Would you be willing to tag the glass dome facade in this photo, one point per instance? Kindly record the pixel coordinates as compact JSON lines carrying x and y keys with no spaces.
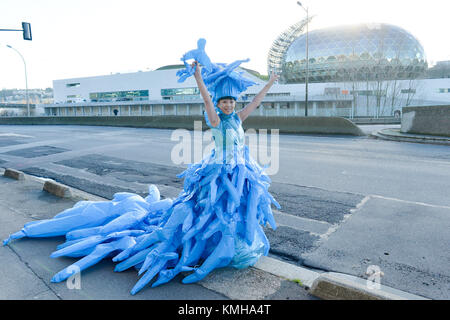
{"x":353,"y":53}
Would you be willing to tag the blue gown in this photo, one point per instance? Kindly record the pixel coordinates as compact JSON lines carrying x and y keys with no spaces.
{"x":216,"y":221}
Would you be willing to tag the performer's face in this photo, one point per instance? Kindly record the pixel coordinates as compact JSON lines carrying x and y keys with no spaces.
{"x":227,"y":105}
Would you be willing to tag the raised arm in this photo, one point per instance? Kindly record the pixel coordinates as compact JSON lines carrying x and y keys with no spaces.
{"x":244,"y":113}
{"x":210,"y":110}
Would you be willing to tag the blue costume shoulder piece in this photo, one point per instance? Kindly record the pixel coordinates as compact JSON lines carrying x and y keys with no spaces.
{"x":216,"y":221}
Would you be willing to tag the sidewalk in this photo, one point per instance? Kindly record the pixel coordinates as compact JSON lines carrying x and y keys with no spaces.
{"x":27,"y":268}
{"x":394,"y":134}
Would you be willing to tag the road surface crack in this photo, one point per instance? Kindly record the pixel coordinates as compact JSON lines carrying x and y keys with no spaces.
{"x":37,"y":275}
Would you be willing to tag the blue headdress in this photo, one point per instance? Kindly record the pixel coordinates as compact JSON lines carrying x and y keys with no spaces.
{"x":220,"y":79}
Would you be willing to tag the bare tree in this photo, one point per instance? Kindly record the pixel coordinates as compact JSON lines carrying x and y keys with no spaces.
{"x":7,"y":113}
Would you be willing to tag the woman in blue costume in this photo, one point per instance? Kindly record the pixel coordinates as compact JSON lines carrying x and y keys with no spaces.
{"x":216,"y":221}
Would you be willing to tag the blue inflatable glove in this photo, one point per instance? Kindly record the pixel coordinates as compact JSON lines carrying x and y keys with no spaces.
{"x":83,"y":233}
{"x":125,"y":221}
{"x":91,"y":215}
{"x":100,"y":252}
{"x":169,"y":274}
{"x":200,"y":223}
{"x":149,"y":276}
{"x":159,"y":205}
{"x":153,"y":194}
{"x":188,"y":222}
{"x":80,"y":246}
{"x":199,"y":55}
{"x":76,"y":209}
{"x":267,"y":210}
{"x":154,"y":254}
{"x":231,"y":189}
{"x":68,"y":243}
{"x":132,"y":261}
{"x":196,"y":252}
{"x":220,"y":257}
{"x":125,"y":254}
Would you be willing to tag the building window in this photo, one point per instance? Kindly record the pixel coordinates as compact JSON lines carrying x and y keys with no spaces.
{"x":179,"y":91}
{"x":133,"y":95}
{"x":71,"y":85}
{"x":332,"y":91}
{"x":279,"y":94}
{"x":444,"y":90}
{"x":368,"y":93}
{"x":74,"y":98}
{"x":408,"y":91}
{"x":180,"y":94}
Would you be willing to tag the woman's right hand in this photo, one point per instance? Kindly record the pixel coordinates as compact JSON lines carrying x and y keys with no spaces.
{"x":197,"y":69}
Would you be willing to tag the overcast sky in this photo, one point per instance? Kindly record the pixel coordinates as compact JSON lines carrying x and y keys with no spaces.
{"x":78,"y":38}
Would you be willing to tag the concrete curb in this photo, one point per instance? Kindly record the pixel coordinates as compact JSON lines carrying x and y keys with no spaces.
{"x":51,"y":186}
{"x":324,"y":285}
{"x":57,"y":189}
{"x":333,"y":285}
{"x":364,"y":121}
{"x":68,"y":192}
{"x":14,"y":174}
{"x":286,"y":270}
{"x":386,"y":134}
{"x":339,"y":286}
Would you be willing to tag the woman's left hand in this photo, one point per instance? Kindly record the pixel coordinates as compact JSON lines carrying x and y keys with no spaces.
{"x":273,"y":77}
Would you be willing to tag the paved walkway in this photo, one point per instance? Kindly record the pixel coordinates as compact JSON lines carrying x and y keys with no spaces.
{"x":26,"y":267}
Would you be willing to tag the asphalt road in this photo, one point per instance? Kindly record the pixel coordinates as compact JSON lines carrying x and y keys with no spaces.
{"x":323,"y":183}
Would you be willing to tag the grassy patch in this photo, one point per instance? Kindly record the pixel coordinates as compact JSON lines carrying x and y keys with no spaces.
{"x":298,"y":281}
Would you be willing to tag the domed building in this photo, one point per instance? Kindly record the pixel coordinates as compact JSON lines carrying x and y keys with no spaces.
{"x":364,"y":52}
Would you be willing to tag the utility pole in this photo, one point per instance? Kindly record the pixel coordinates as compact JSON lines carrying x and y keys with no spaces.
{"x":307,"y":58}
{"x":26,"y":79}
{"x":26,"y":30}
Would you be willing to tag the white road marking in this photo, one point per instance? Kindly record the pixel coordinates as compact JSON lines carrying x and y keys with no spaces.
{"x":412,"y":202}
{"x":14,"y":135}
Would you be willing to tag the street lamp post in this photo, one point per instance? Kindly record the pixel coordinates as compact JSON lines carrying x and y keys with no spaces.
{"x":307,"y":58}
{"x":26,"y":78}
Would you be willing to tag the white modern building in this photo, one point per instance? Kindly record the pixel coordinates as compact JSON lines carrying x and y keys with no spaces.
{"x":159,"y":93}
